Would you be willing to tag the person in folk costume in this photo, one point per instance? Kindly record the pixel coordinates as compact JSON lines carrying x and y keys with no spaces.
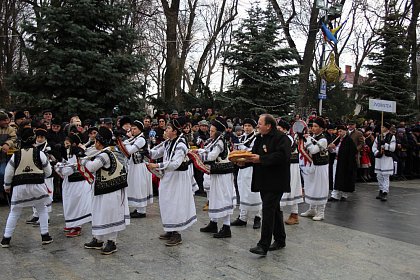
{"x":383,"y":149}
{"x":249,"y":201}
{"x":345,"y":165}
{"x":77,"y":192}
{"x":42,"y":145}
{"x":123,"y":130}
{"x":139,"y":179}
{"x":294,"y":197}
{"x":90,"y":145}
{"x":110,"y":212}
{"x":26,"y":172}
{"x":316,"y":185}
{"x":176,"y":200}
{"x":222,"y":195}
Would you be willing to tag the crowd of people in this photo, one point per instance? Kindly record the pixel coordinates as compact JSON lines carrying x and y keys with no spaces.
{"x":101,"y":168}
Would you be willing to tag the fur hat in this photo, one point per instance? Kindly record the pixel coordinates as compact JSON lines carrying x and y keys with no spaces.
{"x":138,"y":124}
{"x":178,"y":124}
{"x":250,"y":121}
{"x":27,"y":137}
{"x":41,"y":131}
{"x":20,"y":115}
{"x":104,"y":136}
{"x":125,"y":120}
{"x":282,"y":123}
{"x":220,"y":124}
{"x":320,"y":122}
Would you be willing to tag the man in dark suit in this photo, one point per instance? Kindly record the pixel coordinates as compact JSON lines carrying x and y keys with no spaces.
{"x":357,"y":138}
{"x":270,"y":177}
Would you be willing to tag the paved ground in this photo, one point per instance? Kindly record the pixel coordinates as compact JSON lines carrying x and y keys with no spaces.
{"x":362,"y":238}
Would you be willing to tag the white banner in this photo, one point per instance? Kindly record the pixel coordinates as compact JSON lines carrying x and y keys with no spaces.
{"x":383,"y":105}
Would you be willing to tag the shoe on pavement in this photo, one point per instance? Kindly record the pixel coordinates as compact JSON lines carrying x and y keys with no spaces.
{"x":258,"y":250}
{"x":257,"y":223}
{"x":137,"y":215}
{"x":5,"y":242}
{"x":74,"y":232}
{"x":238,"y":223}
{"x":109,"y":248}
{"x":311,"y":212}
{"x":94,"y":244}
{"x":223,"y":233}
{"x":174,"y":240}
{"x":384,"y":196}
{"x":211,"y":227}
{"x":276,"y":246}
{"x":32,"y":221}
{"x":166,"y":236}
{"x":46,"y":239}
{"x":293,"y":219}
{"x":379,"y":196}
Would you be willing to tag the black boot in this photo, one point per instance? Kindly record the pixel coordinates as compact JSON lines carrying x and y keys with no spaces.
{"x":211,"y":227}
{"x":384,"y":196}
{"x":379,"y":196}
{"x":238,"y":223}
{"x":223,"y":233}
{"x":257,"y":223}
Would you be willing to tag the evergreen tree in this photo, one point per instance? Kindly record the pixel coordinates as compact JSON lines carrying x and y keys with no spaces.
{"x":80,"y":59}
{"x":264,"y":75}
{"x":391,"y":68}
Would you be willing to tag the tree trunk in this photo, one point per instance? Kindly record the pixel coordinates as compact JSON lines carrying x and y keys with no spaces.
{"x":412,"y":41}
{"x":308,"y":57}
{"x":171,"y":73}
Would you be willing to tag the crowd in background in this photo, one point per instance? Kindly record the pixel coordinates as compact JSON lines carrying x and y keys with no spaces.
{"x":406,"y":156}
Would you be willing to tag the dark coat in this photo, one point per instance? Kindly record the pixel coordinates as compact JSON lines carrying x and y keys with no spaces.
{"x":345,"y":175}
{"x":272,"y":174}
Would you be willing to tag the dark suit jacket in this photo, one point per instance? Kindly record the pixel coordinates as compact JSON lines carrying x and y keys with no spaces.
{"x":272,"y":174}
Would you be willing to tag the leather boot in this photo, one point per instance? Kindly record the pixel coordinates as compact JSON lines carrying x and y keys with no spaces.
{"x":293,"y":219}
{"x":257,"y":223}
{"x":223,"y":233}
{"x":211,"y":227}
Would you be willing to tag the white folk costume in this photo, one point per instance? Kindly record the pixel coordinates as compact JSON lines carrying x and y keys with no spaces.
{"x":110,"y":212}
{"x":77,"y":197}
{"x":316,"y":183}
{"x":382,"y":148}
{"x":176,"y":200}
{"x":222,"y":195}
{"x":139,"y":179}
{"x":294,"y":197}
{"x":26,"y":172}
{"x":49,"y":181}
{"x":249,"y":201}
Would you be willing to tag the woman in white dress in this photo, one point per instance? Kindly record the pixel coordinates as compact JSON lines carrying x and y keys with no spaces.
{"x":222,"y":195}
{"x":176,"y":200}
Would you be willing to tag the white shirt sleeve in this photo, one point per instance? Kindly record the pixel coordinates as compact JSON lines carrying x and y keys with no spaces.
{"x":316,"y":148}
{"x":157,"y":152}
{"x":46,"y":166}
{"x":9,"y":173}
{"x":176,"y":160}
{"x":102,"y":160}
{"x":136,"y":146}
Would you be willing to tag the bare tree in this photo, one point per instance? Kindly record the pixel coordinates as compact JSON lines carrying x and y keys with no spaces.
{"x":219,"y":17}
